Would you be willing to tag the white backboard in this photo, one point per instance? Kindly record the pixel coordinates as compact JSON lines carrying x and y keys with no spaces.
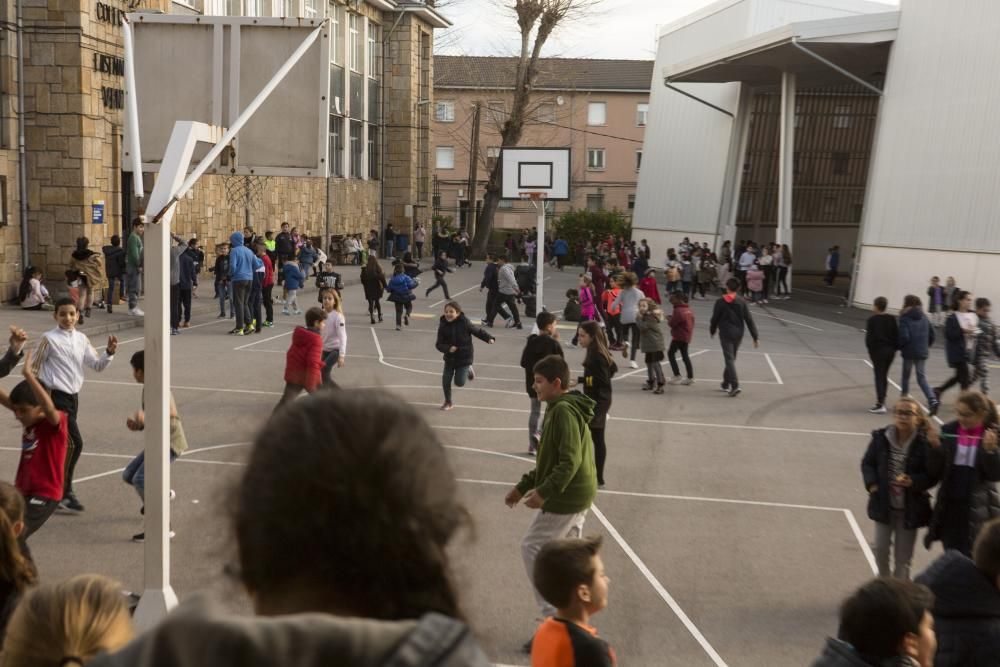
{"x":544,"y":170}
{"x":208,"y":69}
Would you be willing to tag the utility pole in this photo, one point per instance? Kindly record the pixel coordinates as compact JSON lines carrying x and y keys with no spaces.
{"x":473,"y":170}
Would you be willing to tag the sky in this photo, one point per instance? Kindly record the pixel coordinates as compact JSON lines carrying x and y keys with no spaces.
{"x":624,"y":29}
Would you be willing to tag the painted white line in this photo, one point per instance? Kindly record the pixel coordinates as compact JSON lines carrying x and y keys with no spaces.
{"x":865,"y":547}
{"x":97,"y":476}
{"x":381,"y":360}
{"x":729,"y":501}
{"x":491,"y":453}
{"x":807,"y":326}
{"x":658,"y":587}
{"x":263,"y":340}
{"x":662,"y":363}
{"x":737,"y":426}
{"x":900,"y":390}
{"x":213,"y":447}
{"x":187,"y":388}
{"x":773,"y":369}
{"x":107,"y":456}
{"x":473,"y":428}
{"x":216,"y":463}
{"x":452,"y":297}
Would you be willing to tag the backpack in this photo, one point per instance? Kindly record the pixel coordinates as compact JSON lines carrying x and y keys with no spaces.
{"x":673,"y":274}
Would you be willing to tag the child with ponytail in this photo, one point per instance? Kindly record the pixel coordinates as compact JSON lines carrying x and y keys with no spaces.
{"x":17,"y":572}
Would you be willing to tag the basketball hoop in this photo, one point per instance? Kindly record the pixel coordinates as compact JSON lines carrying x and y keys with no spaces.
{"x":533,"y":195}
{"x":245,"y":192}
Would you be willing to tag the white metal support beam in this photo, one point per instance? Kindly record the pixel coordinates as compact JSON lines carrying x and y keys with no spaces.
{"x":786,"y":162}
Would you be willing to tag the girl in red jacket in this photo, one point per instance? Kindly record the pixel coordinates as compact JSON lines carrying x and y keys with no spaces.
{"x":304,"y":359}
{"x":681,"y":330}
{"x":648,"y":286}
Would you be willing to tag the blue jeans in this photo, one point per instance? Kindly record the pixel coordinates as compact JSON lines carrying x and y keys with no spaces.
{"x":329,"y":361}
{"x":904,"y":382}
{"x":458,"y":374}
{"x":222,"y":292}
{"x":135,"y":473}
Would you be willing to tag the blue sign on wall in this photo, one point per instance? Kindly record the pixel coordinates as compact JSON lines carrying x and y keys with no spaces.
{"x":97,"y":212}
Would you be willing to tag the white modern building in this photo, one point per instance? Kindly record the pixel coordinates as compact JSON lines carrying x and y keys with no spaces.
{"x":926,"y":171}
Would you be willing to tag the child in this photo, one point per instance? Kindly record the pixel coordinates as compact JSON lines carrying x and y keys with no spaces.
{"x":936,"y":303}
{"x":598,"y":369}
{"x":755,"y":283}
{"x":588,"y":303}
{"x":221,"y":271}
{"x":454,"y":340}
{"x":69,"y":623}
{"x":986,"y":344}
{"x":266,"y":285}
{"x":328,"y":278}
{"x":628,"y":302}
{"x":648,"y":286}
{"x":17,"y":572}
{"x":569,"y":574}
{"x":614,"y":311}
{"x":572,"y":309}
{"x":304,"y":359}
{"x":400,"y":289}
{"x":135,"y":472}
{"x":334,"y":334}
{"x":562,"y":485}
{"x":44,"y":441}
{"x":59,"y":362}
{"x":882,"y":341}
{"x":271,"y":247}
{"x":651,"y":344}
{"x":294,"y":279}
{"x":538,"y":346}
{"x":32,"y":294}
{"x":90,"y":270}
{"x":440,"y":269}
{"x":681,"y":331}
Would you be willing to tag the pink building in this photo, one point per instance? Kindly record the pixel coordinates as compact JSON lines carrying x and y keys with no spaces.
{"x":597,"y":108}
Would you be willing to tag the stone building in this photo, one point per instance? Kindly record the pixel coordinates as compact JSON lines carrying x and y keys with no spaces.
{"x":597,"y":108}
{"x":73,"y":92}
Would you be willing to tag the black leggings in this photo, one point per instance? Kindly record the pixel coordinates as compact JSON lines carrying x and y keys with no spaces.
{"x":375,"y":305}
{"x":682,"y":347}
{"x":782,"y":286}
{"x":600,"y":451}
{"x":70,"y":404}
{"x":400,"y":307}
{"x":961,"y":378}
{"x":634,"y":330}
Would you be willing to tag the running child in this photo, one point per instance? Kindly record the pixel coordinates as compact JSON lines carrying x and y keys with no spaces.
{"x":651,"y":344}
{"x":294,"y":280}
{"x":334,"y":334}
{"x":400,"y":289}
{"x":44,"y":441}
{"x":681,"y":324}
{"x":598,"y":369}
{"x":440,"y":269}
{"x":454,"y":339}
{"x":986,"y":345}
{"x":628,"y":300}
{"x":538,"y":346}
{"x":59,"y":361}
{"x":569,"y":574}
{"x":135,"y":472}
{"x":614,"y":312}
{"x":304,"y":359}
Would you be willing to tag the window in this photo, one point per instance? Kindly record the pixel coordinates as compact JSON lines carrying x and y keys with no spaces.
{"x":638,"y":160}
{"x":631,"y":202}
{"x":356,"y":149}
{"x":595,"y":158}
{"x":546,"y":113}
{"x":355,"y":42}
{"x":444,"y":111}
{"x":842,"y":117}
{"x":357,"y":96}
{"x":641,"y":114}
{"x":374,"y":52}
{"x":436,"y":202}
{"x":337,"y":105}
{"x":310,"y":8}
{"x":497,"y":110}
{"x":336,"y":36}
{"x":373,"y":101}
{"x":336,"y":146}
{"x":595,"y":203}
{"x":373,"y":153}
{"x":253,"y":7}
{"x":445,"y":157}
{"x":492,"y":155}
{"x":597,"y":113}
{"x":841,"y":163}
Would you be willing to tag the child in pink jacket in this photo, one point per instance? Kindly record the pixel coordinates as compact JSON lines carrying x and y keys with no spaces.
{"x":755,"y":283}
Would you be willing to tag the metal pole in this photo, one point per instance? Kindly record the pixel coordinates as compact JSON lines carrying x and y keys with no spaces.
{"x":540,"y":261}
{"x":22,"y":165}
{"x":132,"y":109}
{"x":158,"y":596}
{"x":786,"y":162}
{"x":856,"y":79}
{"x":696,"y":98}
{"x":470,"y":225}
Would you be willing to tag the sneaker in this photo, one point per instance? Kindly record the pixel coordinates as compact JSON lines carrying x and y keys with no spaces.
{"x":508,"y":323}
{"x":141,"y":537}
{"x":235,"y":331}
{"x":935,"y":406}
{"x":532,"y":449}
{"x":735,"y":391}
{"x":222,"y":315}
{"x":175,"y":332}
{"x":472,"y":374}
{"x":632,"y":364}
{"x":284,"y":311}
{"x":518,"y":326}
{"x":399,"y":328}
{"x":447,"y":405}
{"x":659,"y":389}
{"x":675,"y":380}
{"x":406,"y":320}
{"x":137,"y":312}
{"x":724,"y":387}
{"x":526,"y":647}
{"x":625,"y":351}
{"x":380,"y":317}
{"x":877,"y":409}
{"x":937,"y":395}
{"x":298,"y":312}
{"x":247,"y":331}
{"x":70,"y":502}
{"x":268,"y":323}
{"x":687,"y":382}
{"x":239,"y":332}
{"x":647,"y":386}
{"x":185,"y":325}
{"x":253,"y":324}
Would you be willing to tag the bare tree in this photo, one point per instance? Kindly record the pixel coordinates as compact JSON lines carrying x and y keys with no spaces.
{"x":536,"y":21}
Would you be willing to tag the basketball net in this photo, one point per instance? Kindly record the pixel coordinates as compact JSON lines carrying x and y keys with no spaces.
{"x":245,"y":192}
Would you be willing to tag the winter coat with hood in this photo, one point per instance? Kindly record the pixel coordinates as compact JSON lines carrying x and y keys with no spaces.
{"x":458,"y":333}
{"x":650,"y":289}
{"x":651,"y":333}
{"x":954,"y":346}
{"x":728,"y":318}
{"x":90,"y":264}
{"x":875,"y":470}
{"x":114,"y":261}
{"x":304,"y":359}
{"x":916,"y":335}
{"x":588,"y":304}
{"x":681,"y":323}
{"x":596,"y":383}
{"x":838,"y":653}
{"x":242,"y":261}
{"x":373,"y":283}
{"x":966,"y":612}
{"x":296,"y":640}
{"x":400,"y":288}
{"x":565,"y":473}
{"x":984,"y":500}
{"x":537,"y":348}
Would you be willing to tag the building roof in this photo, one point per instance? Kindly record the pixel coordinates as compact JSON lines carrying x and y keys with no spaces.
{"x":496,"y":73}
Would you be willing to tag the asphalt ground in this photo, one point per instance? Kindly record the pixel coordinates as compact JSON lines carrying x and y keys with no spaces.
{"x":733,"y":526}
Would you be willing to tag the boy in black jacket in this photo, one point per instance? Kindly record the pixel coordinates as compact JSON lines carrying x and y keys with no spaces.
{"x":728,"y":318}
{"x":539,"y":346}
{"x":882,"y":341}
{"x":328,"y":279}
{"x":114,"y":269}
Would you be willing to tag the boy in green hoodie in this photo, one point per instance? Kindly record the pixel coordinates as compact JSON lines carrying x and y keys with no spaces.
{"x":564,"y":481}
